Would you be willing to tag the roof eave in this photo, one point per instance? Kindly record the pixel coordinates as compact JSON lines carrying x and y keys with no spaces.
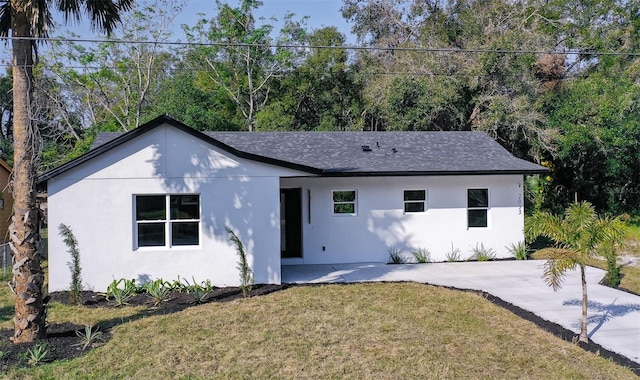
{"x":167,"y":120}
{"x":329,"y":173}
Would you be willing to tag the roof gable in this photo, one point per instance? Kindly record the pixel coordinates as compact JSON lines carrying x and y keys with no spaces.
{"x":344,"y":153}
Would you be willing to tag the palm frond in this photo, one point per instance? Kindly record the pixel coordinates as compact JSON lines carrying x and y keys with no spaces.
{"x":105,"y":14}
{"x":555,"y":268}
{"x":5,"y":19}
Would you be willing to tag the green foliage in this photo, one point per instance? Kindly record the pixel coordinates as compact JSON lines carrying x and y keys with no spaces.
{"x":38,"y":354}
{"x":69,"y":239}
{"x":246,"y":274}
{"x":519,"y":250}
{"x":455,"y":254}
{"x":122,"y":294}
{"x":421,"y":255}
{"x":157,"y":290}
{"x":396,"y":256}
{"x":608,"y":251}
{"x":480,"y":253}
{"x":580,"y":234}
{"x":90,"y":336}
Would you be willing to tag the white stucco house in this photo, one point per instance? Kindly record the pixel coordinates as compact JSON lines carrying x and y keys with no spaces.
{"x":154,"y":202}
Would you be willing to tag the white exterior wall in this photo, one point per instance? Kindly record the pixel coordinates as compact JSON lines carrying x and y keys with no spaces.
{"x":381,"y":223}
{"x":96,"y":198}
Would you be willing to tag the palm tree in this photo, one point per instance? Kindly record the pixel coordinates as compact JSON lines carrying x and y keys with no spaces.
{"x":578,"y":236}
{"x":28,"y":20}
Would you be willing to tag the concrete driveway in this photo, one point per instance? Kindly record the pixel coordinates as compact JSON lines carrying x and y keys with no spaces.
{"x":614,"y":315}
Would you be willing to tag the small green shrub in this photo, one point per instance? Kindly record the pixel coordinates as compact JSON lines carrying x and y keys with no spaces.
{"x":38,"y":354}
{"x":90,"y":336}
{"x":482,"y":254}
{"x":612,"y":277}
{"x":421,"y":255}
{"x":519,"y":250}
{"x":246,"y":275}
{"x":121,"y":294}
{"x":158,"y":291}
{"x":455,"y":254}
{"x":396,"y":255}
{"x":199,"y":294}
{"x":75,"y":290}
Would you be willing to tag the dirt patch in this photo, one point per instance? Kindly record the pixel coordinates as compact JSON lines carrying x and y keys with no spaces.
{"x":63,"y":341}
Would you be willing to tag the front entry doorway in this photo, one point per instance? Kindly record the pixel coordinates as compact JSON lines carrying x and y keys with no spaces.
{"x":291,"y":223}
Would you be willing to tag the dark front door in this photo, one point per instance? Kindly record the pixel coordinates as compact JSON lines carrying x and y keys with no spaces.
{"x":291,"y":222}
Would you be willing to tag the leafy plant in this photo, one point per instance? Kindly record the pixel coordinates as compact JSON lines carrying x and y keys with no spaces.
{"x":612,"y":277}
{"x":396,"y":255}
{"x":90,"y":336}
{"x":519,"y":250}
{"x":246,"y":275}
{"x":177,"y":285}
{"x":75,"y":291}
{"x":199,"y":294}
{"x":580,"y":235}
{"x":482,"y":254}
{"x":158,"y":291}
{"x":455,"y":254}
{"x":121,"y":295}
{"x":39,"y":353}
{"x":422,"y":255}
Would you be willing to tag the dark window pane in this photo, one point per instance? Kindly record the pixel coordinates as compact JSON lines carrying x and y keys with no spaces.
{"x":414,"y":207}
{"x":344,"y":196}
{"x":344,"y":208}
{"x":478,"y":197}
{"x":185,"y":207}
{"x":477,"y":218}
{"x":150,"y":234}
{"x":414,"y":195}
{"x":185,"y":233}
{"x":150,"y":207}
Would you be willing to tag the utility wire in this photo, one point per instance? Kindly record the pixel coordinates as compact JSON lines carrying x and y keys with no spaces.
{"x":341,"y":47}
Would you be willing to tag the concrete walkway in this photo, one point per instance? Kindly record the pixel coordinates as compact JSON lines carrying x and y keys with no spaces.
{"x":614,"y":315}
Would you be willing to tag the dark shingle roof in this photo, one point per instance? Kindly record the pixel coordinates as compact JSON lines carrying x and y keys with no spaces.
{"x":342,"y":153}
{"x":391,"y":152}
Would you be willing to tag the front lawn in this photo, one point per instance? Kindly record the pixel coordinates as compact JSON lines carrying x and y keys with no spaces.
{"x":376,"y":330}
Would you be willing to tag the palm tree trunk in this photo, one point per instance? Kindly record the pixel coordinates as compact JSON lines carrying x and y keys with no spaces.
{"x":28,"y":277}
{"x":583,"y":325}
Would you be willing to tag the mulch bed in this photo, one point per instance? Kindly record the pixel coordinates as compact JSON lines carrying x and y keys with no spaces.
{"x":63,"y":342}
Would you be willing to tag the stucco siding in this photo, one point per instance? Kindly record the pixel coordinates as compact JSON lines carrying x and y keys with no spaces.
{"x":96,"y":200}
{"x":380,"y":222}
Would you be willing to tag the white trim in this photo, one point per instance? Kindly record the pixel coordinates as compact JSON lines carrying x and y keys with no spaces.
{"x":168,"y":222}
{"x":479,"y":208}
{"x":355,"y":203}
{"x":425,"y":207}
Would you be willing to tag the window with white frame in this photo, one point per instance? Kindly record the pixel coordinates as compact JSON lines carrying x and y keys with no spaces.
{"x":167,"y":220}
{"x":415,"y":200}
{"x":477,"y":207}
{"x":344,"y":202}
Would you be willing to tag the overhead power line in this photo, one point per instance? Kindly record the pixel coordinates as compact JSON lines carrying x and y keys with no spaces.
{"x":341,"y":47}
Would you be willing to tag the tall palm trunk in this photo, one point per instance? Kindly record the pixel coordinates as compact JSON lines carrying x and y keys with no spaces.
{"x":28,"y":277}
{"x":583,"y":325}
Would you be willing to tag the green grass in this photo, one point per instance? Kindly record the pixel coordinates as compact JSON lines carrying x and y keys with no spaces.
{"x":360,"y":331}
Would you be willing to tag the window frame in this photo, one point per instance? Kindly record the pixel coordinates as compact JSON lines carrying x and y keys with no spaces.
{"x":334,"y":203}
{"x":414,"y":201}
{"x":168,"y":222}
{"x":475,"y":208}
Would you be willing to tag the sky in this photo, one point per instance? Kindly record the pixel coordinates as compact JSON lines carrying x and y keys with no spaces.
{"x":320,"y":12}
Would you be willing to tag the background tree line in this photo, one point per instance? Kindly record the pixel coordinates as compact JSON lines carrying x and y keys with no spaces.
{"x":427,"y":65}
